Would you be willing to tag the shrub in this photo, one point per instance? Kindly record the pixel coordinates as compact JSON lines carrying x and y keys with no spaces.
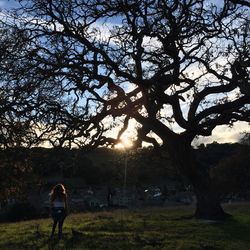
{"x":21,"y":211}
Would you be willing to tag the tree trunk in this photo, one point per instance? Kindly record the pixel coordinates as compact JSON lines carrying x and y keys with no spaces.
{"x":208,"y":203}
{"x":208,"y":206}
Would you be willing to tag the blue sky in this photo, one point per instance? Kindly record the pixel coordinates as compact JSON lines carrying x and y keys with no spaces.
{"x":7,"y":4}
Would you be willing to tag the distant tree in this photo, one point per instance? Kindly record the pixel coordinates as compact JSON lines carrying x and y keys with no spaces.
{"x":177,"y":68}
{"x":213,"y":153}
{"x":232,"y":174}
{"x":16,"y":175}
{"x":245,"y":138}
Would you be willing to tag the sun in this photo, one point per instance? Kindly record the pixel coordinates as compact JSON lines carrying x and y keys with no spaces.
{"x":125,"y":143}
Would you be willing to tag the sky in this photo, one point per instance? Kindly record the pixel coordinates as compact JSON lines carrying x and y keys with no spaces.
{"x":6,"y":4}
{"x":222,"y":134}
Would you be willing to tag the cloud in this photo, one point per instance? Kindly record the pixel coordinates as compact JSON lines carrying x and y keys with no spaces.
{"x":225,"y":134}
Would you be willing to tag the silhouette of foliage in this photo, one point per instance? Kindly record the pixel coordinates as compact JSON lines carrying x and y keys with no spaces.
{"x":16,"y":175}
{"x":73,"y":70}
{"x":232,"y":174}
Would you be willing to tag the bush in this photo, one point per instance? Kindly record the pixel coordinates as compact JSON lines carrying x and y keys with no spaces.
{"x":232,"y":174}
{"x":21,"y":211}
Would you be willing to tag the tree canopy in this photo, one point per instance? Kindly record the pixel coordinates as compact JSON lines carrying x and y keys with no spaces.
{"x":75,"y":69}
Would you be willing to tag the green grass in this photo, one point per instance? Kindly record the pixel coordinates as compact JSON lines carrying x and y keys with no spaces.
{"x":156,"y":228}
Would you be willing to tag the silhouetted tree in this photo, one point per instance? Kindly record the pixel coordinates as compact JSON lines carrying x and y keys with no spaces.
{"x":177,"y":68}
{"x":14,"y":130}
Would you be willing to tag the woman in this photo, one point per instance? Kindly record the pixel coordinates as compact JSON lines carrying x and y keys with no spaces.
{"x":59,"y":208}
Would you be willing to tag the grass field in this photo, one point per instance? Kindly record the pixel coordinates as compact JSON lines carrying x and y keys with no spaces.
{"x":151,"y":228}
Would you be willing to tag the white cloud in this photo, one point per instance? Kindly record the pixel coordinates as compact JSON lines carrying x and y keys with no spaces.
{"x":225,"y":134}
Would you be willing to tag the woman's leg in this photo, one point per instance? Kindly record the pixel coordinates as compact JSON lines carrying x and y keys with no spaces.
{"x":53,"y":228}
{"x":60,"y":226}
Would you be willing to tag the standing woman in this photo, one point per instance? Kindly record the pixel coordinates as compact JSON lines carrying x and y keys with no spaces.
{"x":59,"y":208}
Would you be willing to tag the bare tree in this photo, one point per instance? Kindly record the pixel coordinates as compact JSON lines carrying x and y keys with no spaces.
{"x":177,"y":68}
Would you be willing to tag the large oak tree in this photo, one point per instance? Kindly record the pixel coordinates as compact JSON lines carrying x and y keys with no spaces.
{"x":76,"y":69}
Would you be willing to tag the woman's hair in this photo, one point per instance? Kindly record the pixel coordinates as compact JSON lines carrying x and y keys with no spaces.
{"x":58,"y":191}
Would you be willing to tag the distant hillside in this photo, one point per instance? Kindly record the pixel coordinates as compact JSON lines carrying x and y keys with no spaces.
{"x":24,"y":168}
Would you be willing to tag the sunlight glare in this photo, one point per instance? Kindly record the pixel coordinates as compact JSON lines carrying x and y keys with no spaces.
{"x":124,"y":144}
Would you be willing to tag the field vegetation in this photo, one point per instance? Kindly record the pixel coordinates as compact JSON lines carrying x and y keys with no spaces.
{"x":148,"y":228}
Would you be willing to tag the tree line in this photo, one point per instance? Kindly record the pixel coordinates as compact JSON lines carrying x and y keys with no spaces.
{"x":23,"y":169}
